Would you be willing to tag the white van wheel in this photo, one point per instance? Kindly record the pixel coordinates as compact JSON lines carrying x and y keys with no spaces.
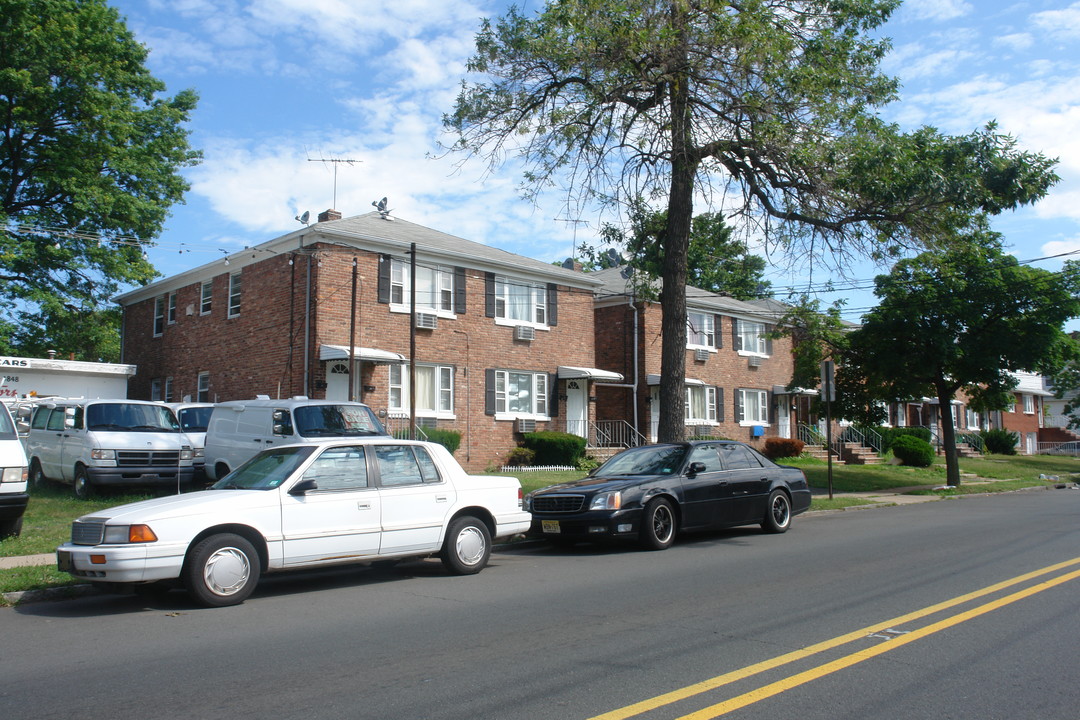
{"x":82,"y":487}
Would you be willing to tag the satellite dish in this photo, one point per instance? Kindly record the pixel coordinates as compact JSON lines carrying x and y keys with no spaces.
{"x":304,"y":218}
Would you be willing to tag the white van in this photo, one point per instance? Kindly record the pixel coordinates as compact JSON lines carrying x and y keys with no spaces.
{"x":241,"y":428}
{"x":194,"y":418}
{"x":13,"y":495}
{"x":92,"y":443}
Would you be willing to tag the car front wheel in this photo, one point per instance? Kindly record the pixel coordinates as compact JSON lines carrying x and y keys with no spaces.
{"x":37,"y":477}
{"x":657,"y":525}
{"x":778,"y":514}
{"x":221,"y":570}
{"x":467,"y":546}
{"x":81,"y":484}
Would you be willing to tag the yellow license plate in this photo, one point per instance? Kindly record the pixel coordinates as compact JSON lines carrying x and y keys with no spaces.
{"x":551,"y":526}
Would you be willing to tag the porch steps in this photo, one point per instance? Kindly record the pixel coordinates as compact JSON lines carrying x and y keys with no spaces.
{"x":857,"y":454}
{"x":818,"y":452}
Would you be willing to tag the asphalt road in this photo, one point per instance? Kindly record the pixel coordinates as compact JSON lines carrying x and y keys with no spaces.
{"x":965,"y":608}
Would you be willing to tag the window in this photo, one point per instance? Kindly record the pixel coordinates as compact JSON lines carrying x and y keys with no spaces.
{"x":207,"y":295}
{"x":159,"y":315}
{"x":434,"y":389}
{"x":155,"y":389}
{"x":203,"y":393}
{"x":700,"y":403}
{"x":520,"y":393}
{"x":339,"y":468}
{"x":172,"y":308}
{"x":701,"y":330}
{"x":737,"y":457}
{"x":405,"y":465}
{"x":234,"y":294}
{"x":1029,"y":404}
{"x":750,"y":337}
{"x":522,"y":302}
{"x":168,"y":389}
{"x":434,"y":286}
{"x":753,"y":406}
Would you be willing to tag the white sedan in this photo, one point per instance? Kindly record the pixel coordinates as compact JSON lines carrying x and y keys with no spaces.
{"x":301,"y":506}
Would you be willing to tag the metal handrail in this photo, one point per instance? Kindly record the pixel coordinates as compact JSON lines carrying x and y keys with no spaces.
{"x":615,"y":433}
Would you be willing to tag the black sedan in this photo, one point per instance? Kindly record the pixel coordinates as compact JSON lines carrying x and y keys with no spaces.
{"x":652,"y":492}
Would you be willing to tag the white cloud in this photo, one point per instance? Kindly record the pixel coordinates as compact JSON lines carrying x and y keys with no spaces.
{"x":1015,"y":41}
{"x":1061,"y":247}
{"x":936,"y":9}
{"x":1061,"y":24}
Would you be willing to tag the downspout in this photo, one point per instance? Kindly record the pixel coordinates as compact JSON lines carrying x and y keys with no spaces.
{"x":307,"y":331}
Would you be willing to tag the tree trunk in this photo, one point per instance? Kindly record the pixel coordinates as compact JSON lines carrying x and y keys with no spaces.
{"x":948,"y":435}
{"x":672,"y":423}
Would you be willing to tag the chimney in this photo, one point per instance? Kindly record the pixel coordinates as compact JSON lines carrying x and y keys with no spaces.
{"x":327,"y":215}
{"x":51,"y":354}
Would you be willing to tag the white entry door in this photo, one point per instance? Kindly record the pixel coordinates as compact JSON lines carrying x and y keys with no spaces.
{"x":577,"y":408}
{"x":337,"y":380}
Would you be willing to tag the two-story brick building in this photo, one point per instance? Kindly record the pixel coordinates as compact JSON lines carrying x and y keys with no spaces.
{"x":736,"y":373}
{"x":496,"y":343}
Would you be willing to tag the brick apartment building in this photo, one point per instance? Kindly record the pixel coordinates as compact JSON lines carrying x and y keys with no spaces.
{"x":735,"y":373}
{"x":500,"y":343}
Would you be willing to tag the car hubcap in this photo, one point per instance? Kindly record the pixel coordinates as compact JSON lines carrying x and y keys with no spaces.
{"x":662,"y":523}
{"x":226,"y":571}
{"x":780,"y":511}
{"x":470,"y":545}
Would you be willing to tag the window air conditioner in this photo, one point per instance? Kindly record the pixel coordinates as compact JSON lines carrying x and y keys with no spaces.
{"x":701,"y":355}
{"x":524,"y":332}
{"x":426,"y":321}
{"x":754,"y":361}
{"x":525,"y":425}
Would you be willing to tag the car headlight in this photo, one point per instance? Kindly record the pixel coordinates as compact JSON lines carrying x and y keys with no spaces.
{"x":99,"y":454}
{"x":123,"y":534}
{"x":606,"y":501}
{"x":526,"y":502}
{"x":199,"y":453}
{"x":186,"y":453}
{"x":14,"y":475}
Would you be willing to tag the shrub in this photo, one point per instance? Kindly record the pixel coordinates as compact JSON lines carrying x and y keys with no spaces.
{"x":521,"y":457}
{"x":776,"y":447}
{"x":914,"y":451}
{"x":889,"y":435}
{"x":555,"y":448}
{"x":1000,"y":442}
{"x":588,"y":464}
{"x":449,"y":439}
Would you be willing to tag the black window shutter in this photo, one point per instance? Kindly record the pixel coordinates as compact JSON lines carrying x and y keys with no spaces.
{"x":736,"y":343}
{"x":553,"y":395}
{"x":384,"y":279}
{"x":720,"y":404}
{"x":489,"y":391}
{"x":737,"y":399}
{"x":553,"y":304}
{"x":718,"y":331}
{"x":489,"y":294}
{"x":459,"y":290}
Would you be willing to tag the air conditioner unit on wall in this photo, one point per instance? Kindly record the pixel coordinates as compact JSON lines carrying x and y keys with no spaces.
{"x":525,"y":425}
{"x":426,"y":321}
{"x":701,"y":355}
{"x":524,"y":332}
{"x":754,"y":361}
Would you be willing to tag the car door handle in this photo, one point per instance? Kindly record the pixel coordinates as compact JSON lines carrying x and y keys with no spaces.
{"x":722,"y":483}
{"x":363,"y":506}
{"x":440,"y":498}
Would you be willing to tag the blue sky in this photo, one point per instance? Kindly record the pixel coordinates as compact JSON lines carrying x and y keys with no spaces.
{"x":284,"y":83}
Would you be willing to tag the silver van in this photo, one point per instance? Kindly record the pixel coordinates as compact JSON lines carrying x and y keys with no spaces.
{"x":94,"y":443}
{"x":194,"y":419}
{"x":241,"y":428}
{"x":13,"y":495}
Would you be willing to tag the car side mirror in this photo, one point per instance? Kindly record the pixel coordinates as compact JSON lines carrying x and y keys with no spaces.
{"x":695,"y":468}
{"x":304,"y":486}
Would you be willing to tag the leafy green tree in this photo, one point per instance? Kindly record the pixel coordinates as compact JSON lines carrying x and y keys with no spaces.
{"x":90,"y":160}
{"x":962,"y":319}
{"x":715,"y":261}
{"x":767,"y":104}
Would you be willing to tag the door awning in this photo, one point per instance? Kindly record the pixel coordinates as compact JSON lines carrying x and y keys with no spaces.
{"x":655,"y":380}
{"x":567,"y":372}
{"x":341,"y":352}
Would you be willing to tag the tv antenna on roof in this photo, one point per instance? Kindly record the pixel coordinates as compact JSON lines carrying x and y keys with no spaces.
{"x":334,"y":162}
{"x":573,"y":251}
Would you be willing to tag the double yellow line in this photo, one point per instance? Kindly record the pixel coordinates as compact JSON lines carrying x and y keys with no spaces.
{"x":899,"y":640}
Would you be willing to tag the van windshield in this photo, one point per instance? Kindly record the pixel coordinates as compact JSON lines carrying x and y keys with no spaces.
{"x":130,"y":417}
{"x":7,"y":428}
{"x":336,"y":421}
{"x":195,"y":419}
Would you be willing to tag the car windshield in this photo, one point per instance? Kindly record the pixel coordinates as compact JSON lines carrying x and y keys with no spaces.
{"x":265,"y":471}
{"x":336,"y":421}
{"x":647,"y":460}
{"x":125,"y":417}
{"x":7,"y":428}
{"x":194,"y":419}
